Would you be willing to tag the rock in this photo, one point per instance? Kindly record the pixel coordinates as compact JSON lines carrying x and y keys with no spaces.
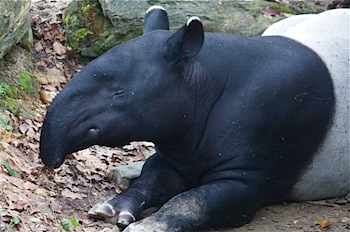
{"x":15,"y":22}
{"x":121,"y":175}
{"x":89,"y":31}
{"x":95,"y":26}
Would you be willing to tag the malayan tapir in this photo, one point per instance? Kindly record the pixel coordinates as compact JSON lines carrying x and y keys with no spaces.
{"x":238,"y":123}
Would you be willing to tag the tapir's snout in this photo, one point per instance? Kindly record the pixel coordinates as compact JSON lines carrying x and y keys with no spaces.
{"x":54,"y":137}
{"x":51,"y":155}
{"x":69,"y":126}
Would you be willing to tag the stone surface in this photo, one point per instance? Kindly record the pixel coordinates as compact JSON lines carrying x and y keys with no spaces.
{"x":15,"y":19}
{"x":97,"y":25}
{"x":121,"y":175}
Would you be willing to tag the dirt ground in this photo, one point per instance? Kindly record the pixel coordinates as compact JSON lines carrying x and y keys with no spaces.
{"x":44,"y":200}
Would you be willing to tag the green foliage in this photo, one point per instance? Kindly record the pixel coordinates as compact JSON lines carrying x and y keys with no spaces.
{"x":7,"y":91}
{"x":65,"y":225}
{"x":81,"y":33}
{"x":13,"y":106}
{"x":11,"y":172}
{"x":286,"y":9}
{"x":85,"y":8}
{"x":4,"y":124}
{"x":73,"y":222}
{"x":14,"y":221}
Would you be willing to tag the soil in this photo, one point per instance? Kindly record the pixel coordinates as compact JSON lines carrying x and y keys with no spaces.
{"x":45,"y":200}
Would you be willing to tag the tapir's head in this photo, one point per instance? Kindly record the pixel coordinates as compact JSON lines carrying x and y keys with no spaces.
{"x":139,"y":90}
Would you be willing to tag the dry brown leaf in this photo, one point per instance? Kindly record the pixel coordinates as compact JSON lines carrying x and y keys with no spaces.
{"x":323,"y":223}
{"x":31,"y":133}
{"x":23,"y":128}
{"x":45,"y":96}
{"x":17,"y":202}
{"x":38,"y":46}
{"x":55,"y":77}
{"x":55,"y":206}
{"x":58,"y":48}
{"x":44,"y":192}
{"x":29,"y":185}
{"x":69,"y":194}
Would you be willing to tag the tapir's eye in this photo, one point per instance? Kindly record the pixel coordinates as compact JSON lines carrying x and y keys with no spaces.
{"x":119,"y":92}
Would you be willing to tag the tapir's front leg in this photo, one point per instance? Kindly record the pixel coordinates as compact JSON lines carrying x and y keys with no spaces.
{"x":218,"y":204}
{"x":156,"y":185}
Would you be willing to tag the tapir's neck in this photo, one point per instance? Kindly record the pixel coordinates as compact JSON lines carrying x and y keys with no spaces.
{"x":205,"y":91}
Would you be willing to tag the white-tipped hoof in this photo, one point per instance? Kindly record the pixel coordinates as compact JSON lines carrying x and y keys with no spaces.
{"x":125,"y":218}
{"x":192,"y":19}
{"x":105,"y":210}
{"x":154,"y":8}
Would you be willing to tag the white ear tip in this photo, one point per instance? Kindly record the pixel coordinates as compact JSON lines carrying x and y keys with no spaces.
{"x":192,"y":19}
{"x":154,"y":8}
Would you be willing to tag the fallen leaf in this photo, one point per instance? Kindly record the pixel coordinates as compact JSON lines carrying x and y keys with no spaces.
{"x":29,"y":185}
{"x":35,"y":220}
{"x":70,"y":194}
{"x":323,"y":223}
{"x":44,"y":192}
{"x":51,"y":32}
{"x":42,"y":80}
{"x":31,"y":133}
{"x":38,"y":46}
{"x":56,"y":207}
{"x":23,"y":128}
{"x":58,"y":48}
{"x":45,"y":96}
{"x":17,"y":202}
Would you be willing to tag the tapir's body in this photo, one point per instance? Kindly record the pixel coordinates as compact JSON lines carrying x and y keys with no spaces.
{"x":237,"y":123}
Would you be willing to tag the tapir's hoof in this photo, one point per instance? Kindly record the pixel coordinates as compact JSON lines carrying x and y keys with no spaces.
{"x":104,"y":210}
{"x":125,"y":218}
{"x":149,"y":224}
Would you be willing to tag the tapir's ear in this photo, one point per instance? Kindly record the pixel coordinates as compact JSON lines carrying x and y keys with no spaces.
{"x":155,"y":18}
{"x":187,"y":41}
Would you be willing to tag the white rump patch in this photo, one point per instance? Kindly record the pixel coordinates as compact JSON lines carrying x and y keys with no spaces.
{"x":327,"y":34}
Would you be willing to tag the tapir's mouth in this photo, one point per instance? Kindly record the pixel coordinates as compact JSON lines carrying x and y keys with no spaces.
{"x":57,"y":164}
{"x":52,"y":157}
{"x":51,"y":161}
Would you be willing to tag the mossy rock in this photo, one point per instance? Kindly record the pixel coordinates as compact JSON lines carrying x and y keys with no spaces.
{"x":97,"y":25}
{"x":15,"y":25}
{"x":90,"y":32}
{"x":18,"y":86}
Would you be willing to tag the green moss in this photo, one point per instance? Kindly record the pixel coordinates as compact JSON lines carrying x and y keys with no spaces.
{"x":90,"y":32}
{"x":11,"y":95}
{"x":25,"y":81}
{"x":7,"y":91}
{"x":85,"y":8}
{"x":286,"y":9}
{"x":71,"y":20}
{"x":13,"y":106}
{"x":81,"y":33}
